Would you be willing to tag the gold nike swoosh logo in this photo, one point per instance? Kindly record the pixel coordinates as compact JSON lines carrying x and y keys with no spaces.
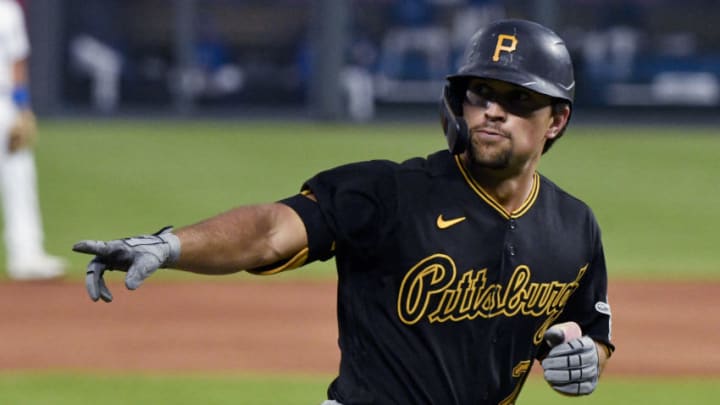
{"x":443,"y":223}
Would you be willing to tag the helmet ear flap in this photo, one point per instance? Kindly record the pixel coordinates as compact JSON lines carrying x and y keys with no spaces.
{"x":454,"y":125}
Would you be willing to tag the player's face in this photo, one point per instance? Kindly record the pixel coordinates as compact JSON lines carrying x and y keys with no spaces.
{"x":508,"y":124}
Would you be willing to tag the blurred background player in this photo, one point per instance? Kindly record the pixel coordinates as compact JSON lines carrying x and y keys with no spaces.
{"x":26,"y":256}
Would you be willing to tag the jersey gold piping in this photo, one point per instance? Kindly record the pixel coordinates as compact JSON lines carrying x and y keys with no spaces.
{"x":292,"y":263}
{"x":529,"y":201}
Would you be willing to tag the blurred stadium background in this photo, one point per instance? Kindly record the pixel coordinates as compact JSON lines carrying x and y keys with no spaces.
{"x":221,"y":99}
{"x":356,"y":59}
{"x":644,"y":69}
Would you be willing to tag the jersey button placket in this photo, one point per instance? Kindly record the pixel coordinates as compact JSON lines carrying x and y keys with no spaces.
{"x":512,"y":225}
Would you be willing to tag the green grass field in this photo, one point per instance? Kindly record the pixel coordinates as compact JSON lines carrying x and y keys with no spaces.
{"x":74,"y":389}
{"x":654,"y":191}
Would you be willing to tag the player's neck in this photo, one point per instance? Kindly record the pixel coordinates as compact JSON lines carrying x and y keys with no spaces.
{"x":509,"y":188}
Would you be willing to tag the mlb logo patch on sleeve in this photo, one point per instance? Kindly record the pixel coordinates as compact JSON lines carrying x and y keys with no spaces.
{"x":603,"y":308}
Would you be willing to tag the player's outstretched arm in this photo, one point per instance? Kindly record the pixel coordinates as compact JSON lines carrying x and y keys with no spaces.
{"x":242,"y":238}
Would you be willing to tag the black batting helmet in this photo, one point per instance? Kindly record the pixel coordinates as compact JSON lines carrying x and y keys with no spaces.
{"x":520,"y":52}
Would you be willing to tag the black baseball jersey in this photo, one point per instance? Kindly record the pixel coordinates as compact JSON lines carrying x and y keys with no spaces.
{"x":443,"y":295}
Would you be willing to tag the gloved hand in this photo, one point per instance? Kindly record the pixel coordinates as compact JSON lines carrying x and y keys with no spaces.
{"x":23,"y":133}
{"x":572,"y":367}
{"x":139,"y":256}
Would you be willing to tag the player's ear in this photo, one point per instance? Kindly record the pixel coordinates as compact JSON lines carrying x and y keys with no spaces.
{"x":560,"y":114}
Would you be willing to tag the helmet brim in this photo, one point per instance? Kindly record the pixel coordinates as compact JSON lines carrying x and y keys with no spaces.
{"x":522,"y":79}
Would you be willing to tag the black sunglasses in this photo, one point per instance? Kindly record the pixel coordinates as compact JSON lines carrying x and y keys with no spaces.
{"x":516,"y":100}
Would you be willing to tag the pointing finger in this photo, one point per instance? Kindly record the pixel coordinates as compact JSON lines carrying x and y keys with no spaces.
{"x":93,"y":247}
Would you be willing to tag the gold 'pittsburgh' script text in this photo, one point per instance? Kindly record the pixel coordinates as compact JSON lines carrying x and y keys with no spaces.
{"x":430,"y":290}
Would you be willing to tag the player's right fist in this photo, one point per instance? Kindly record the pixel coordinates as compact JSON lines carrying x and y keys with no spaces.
{"x":572,"y":366}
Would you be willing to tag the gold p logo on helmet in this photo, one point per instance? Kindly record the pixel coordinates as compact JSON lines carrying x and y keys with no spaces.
{"x":506,"y":43}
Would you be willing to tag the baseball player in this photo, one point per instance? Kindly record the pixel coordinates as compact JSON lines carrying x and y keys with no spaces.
{"x":455,"y":271}
{"x":26,"y":257}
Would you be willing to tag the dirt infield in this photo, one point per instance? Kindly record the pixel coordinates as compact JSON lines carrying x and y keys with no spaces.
{"x":283,"y":326}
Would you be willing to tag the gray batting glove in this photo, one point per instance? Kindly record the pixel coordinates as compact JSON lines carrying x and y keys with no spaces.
{"x":139,"y":256}
{"x":572,"y":367}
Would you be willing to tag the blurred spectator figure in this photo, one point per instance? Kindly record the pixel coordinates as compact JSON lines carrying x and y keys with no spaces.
{"x":213,"y":73}
{"x":219,"y":74}
{"x":103,"y":65}
{"x":416,"y":46}
{"x":95,"y":49}
{"x":356,"y":73}
{"x":415,"y":53}
{"x":610,"y":50}
{"x":357,"y":79}
{"x":469,"y":18}
{"x":607,"y":54}
{"x":26,"y":257}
